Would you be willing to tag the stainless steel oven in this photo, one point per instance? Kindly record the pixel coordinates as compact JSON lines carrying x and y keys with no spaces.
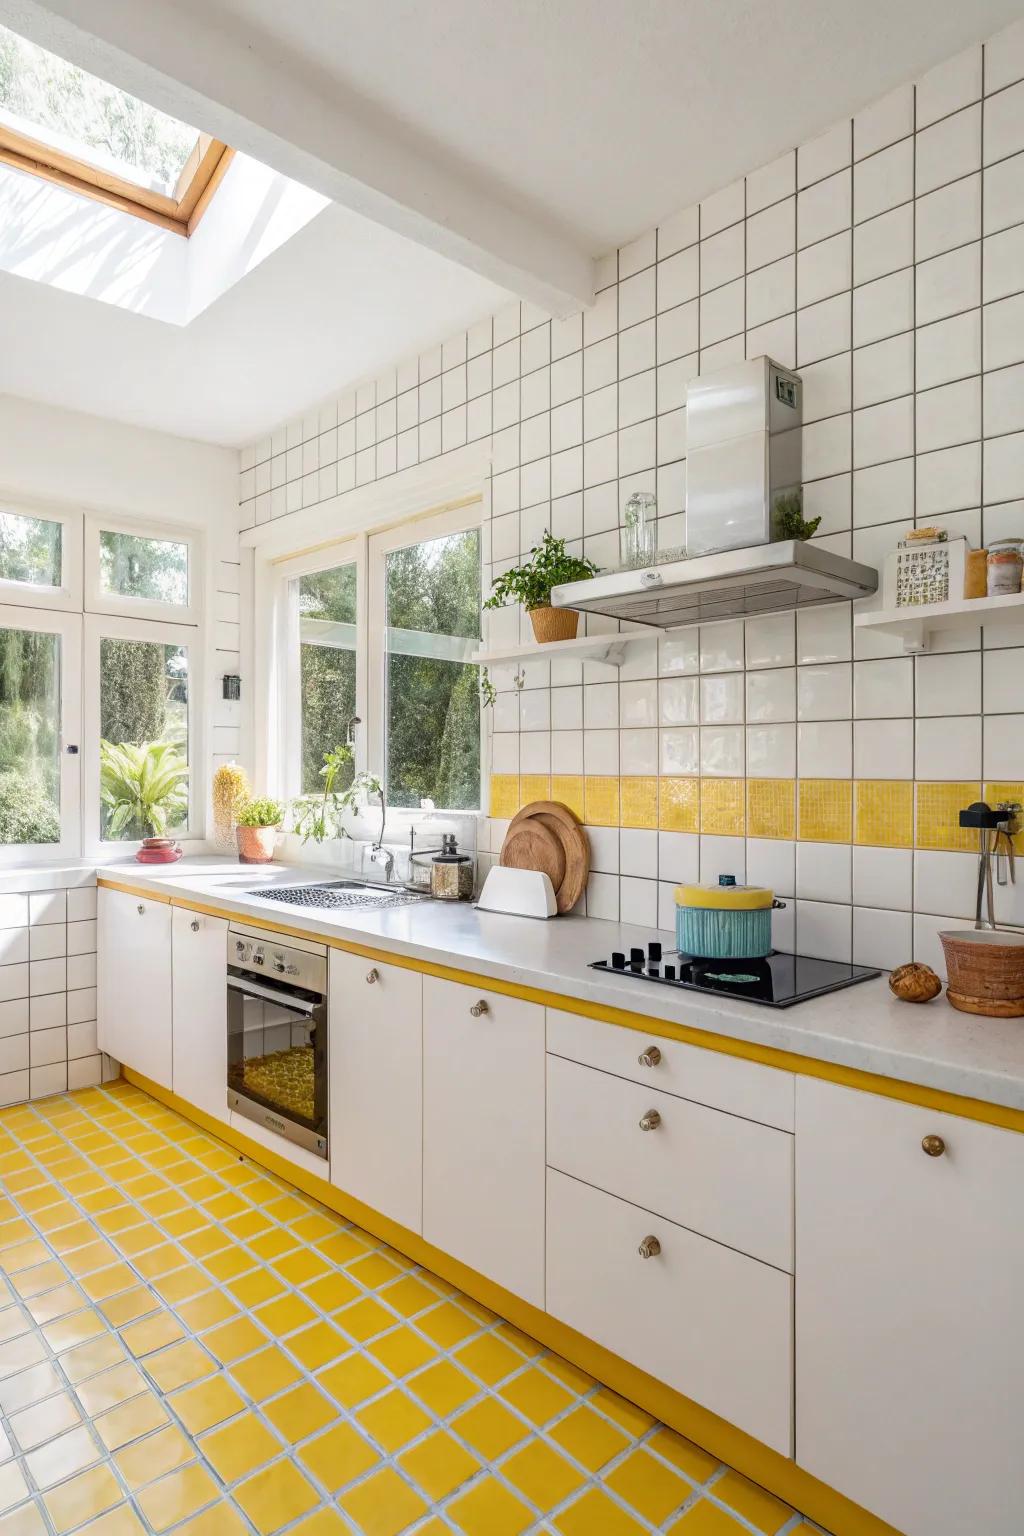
{"x":277,"y":1036}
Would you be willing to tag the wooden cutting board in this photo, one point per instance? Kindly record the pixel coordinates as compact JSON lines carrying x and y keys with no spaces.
{"x":534,"y":835}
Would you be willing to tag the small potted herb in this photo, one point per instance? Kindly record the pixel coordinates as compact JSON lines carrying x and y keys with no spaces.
{"x":789,"y":521}
{"x":256,"y":827}
{"x":549,"y":565}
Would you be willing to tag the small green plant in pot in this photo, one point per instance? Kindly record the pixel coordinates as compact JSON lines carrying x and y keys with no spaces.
{"x":257,"y":823}
{"x":788,"y":521}
{"x":550,"y":565}
{"x":144,"y":792}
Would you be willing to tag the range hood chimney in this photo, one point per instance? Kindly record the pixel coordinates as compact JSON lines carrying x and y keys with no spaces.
{"x":744,"y":428}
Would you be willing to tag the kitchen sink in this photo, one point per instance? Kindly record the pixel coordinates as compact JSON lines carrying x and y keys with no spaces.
{"x":331,"y":895}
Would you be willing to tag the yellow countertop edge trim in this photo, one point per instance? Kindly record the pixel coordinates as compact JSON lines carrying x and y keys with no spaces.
{"x":759,"y":1462}
{"x":938,"y":1099}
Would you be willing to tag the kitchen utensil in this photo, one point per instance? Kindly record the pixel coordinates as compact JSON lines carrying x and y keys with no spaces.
{"x":725,"y":921}
{"x":524,"y":892}
{"x":995,"y":838}
{"x":985,"y":971}
{"x":560,"y":822}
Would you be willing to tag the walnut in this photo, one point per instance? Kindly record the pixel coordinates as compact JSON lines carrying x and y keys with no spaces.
{"x":915,"y":983}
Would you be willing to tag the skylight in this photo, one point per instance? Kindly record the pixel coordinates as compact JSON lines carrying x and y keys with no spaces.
{"x":60,"y":122}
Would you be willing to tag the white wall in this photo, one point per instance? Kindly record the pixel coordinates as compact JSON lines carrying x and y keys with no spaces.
{"x":885,"y":261}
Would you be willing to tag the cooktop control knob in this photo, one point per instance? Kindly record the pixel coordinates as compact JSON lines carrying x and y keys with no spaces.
{"x":257,"y":958}
{"x":618,"y":960}
{"x":669,"y":973}
{"x":636,"y":957}
{"x":654,"y":952}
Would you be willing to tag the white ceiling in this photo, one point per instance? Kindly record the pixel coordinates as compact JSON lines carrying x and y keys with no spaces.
{"x":512,"y":142}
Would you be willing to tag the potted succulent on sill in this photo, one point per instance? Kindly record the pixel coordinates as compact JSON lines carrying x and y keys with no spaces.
{"x":550,"y":565}
{"x":144,"y":790}
{"x":257,"y":823}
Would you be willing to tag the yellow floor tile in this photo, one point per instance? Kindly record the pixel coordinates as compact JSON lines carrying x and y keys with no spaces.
{"x":317,"y":1346}
{"x":394,"y":1419}
{"x":174,"y":1497}
{"x":438,"y":1465}
{"x":179,"y":1365}
{"x":150,"y":1458}
{"x":257,"y":1286}
{"x":220,"y":1520}
{"x":689,"y":1458}
{"x":755,"y":1504}
{"x":207,"y":1310}
{"x":238,"y":1448}
{"x":447,"y":1325}
{"x":384,"y":1504}
{"x":285,"y":1315}
{"x":301,"y":1266}
{"x":325,"y":1522}
{"x":631,"y":1418}
{"x":300,"y":1412}
{"x":339,"y":1456}
{"x":589,"y":1437}
{"x":353,"y":1380}
{"x":653,"y":1490}
{"x":56,"y":1303}
{"x":536,"y":1395}
{"x":82,"y":1498}
{"x":489,"y":1509}
{"x":542,"y":1475}
{"x":707,"y":1519}
{"x":152,"y":1334}
{"x":364,"y":1320}
{"x":332,"y":1292}
{"x":276,"y":1496}
{"x":60,"y":1458}
{"x":121,"y":1425}
{"x":129,"y":1306}
{"x":89,"y":1359}
{"x":443,"y":1387}
{"x":207,"y":1403}
{"x":489,"y":1358}
{"x":594,"y":1511}
{"x":233,"y":1340}
{"x":44,"y":1421}
{"x":264,"y":1374}
{"x":26,"y":1521}
{"x":110,"y":1388}
{"x":490,"y":1428}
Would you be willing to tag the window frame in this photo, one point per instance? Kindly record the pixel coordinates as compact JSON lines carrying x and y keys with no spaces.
{"x":98,"y":601}
{"x":180,"y":214}
{"x":419,"y":530}
{"x":67,"y":597}
{"x":68,"y":626}
{"x":98,"y":627}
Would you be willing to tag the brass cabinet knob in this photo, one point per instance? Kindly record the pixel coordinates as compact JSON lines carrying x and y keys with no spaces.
{"x":649,"y":1058}
{"x":650,"y":1121}
{"x":480,"y":1007}
{"x":140,"y":909}
{"x":933,"y":1145}
{"x":195,"y":925}
{"x":649,"y":1248}
{"x":373,"y":975}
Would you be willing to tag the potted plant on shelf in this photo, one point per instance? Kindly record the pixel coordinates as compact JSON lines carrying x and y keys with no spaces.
{"x":549,"y":565}
{"x":257,"y":823}
{"x":144,"y":791}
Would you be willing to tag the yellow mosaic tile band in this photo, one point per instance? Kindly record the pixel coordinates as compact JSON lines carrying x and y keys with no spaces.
{"x":881,"y":813}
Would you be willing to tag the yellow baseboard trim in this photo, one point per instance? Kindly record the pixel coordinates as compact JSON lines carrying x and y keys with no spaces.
{"x":780,"y":1476}
{"x":769,"y":1056}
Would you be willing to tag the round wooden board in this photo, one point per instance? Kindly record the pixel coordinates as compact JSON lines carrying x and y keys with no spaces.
{"x":558,"y":820}
{"x":534,"y":846}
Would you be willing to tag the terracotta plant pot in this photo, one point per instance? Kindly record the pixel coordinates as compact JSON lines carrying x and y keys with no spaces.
{"x":256,"y":844}
{"x":554,"y":624}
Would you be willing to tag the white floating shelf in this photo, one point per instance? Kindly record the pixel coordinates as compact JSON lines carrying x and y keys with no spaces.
{"x":916,"y":625}
{"x":607,"y":648}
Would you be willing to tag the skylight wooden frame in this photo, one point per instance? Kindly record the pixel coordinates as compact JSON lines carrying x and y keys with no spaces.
{"x":180,"y":213}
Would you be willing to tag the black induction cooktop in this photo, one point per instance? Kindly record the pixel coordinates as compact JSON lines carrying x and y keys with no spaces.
{"x":777,"y":981}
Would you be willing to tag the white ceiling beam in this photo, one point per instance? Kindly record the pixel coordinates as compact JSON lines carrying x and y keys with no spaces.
{"x":203,"y":67}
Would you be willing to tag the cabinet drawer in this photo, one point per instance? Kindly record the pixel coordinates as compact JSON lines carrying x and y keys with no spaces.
{"x":708,"y":1077}
{"x":728,"y":1178}
{"x":705,"y":1320}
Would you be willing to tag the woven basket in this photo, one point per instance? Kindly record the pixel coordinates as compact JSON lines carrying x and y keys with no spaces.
{"x":986,"y":972}
{"x":554,"y":624}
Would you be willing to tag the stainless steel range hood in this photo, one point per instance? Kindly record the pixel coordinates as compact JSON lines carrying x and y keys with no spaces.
{"x":764,"y":578}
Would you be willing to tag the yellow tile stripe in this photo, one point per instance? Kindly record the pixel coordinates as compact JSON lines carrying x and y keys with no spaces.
{"x":883,"y":813}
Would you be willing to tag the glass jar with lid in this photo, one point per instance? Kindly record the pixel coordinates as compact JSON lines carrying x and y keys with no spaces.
{"x":638,"y":538}
{"x":451,"y":872}
{"x":1005,"y":566}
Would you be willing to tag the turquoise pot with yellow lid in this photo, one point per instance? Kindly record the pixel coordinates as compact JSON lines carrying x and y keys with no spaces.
{"x":725,"y":921}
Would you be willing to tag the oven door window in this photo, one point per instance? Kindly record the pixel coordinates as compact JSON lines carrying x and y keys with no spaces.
{"x":277,"y":1054}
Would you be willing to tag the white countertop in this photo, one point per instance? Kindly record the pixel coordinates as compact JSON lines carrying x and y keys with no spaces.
{"x":863,"y":1026}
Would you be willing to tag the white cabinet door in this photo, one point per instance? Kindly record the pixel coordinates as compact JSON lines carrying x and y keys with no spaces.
{"x":376,"y":1085}
{"x":483,"y":1132}
{"x":199,"y":948}
{"x":709,"y":1322}
{"x":909,"y":1344}
{"x":134,"y":982}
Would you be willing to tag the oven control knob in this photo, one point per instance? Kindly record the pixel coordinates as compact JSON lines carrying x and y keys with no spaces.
{"x":257,"y":958}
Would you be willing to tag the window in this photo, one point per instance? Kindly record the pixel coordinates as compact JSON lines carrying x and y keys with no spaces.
{"x":38,"y":732}
{"x":65,"y":125}
{"x":142,"y":575}
{"x":140,"y":694}
{"x":40,"y":558}
{"x":389,"y":673}
{"x":327,"y":667}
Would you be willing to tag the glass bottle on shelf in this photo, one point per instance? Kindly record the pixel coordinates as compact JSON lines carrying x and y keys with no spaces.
{"x":638,"y":538}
